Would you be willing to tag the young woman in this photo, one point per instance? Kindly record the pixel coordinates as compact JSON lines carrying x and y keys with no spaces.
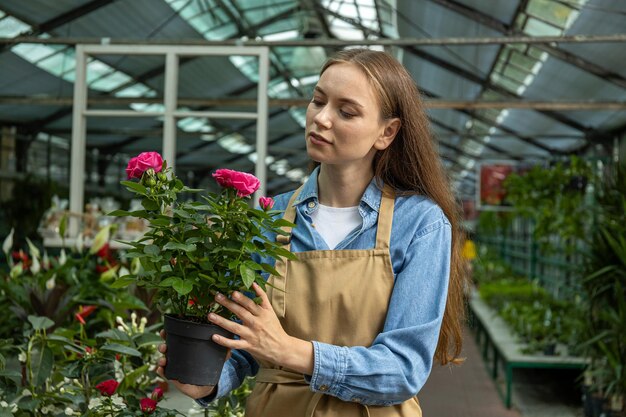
{"x":377,"y":290}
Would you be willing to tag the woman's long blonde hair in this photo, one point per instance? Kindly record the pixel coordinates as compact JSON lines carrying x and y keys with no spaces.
{"x":412,"y":165}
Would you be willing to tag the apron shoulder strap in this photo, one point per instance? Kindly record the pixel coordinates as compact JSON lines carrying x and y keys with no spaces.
{"x":290,"y":216}
{"x":385,"y":218}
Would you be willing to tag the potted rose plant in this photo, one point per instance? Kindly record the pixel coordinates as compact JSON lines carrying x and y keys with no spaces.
{"x":194,"y":250}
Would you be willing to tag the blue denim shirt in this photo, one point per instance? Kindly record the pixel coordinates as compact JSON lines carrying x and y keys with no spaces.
{"x":395,"y":367}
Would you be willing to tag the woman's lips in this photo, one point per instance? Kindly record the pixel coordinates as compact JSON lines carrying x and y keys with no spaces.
{"x":317,"y":139}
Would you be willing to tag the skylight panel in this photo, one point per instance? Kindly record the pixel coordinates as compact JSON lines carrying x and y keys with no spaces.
{"x":59,"y":63}
{"x":253,"y":156}
{"x":535,"y":27}
{"x":235,"y":143}
{"x":10,"y":27}
{"x":281,"y":36}
{"x":110,"y":81}
{"x":33,"y":52}
{"x":136,"y":90}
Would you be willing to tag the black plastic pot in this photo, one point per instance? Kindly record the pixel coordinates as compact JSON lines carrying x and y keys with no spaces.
{"x":192,"y":357}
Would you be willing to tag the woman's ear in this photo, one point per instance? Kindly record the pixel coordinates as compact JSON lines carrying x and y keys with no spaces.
{"x":392,"y":126}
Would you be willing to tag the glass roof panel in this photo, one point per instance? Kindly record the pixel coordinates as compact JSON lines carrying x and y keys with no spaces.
{"x":536,"y":27}
{"x":60,"y":63}
{"x":10,"y":27}
{"x":553,"y":12}
{"x":260,"y":13}
{"x":33,"y":52}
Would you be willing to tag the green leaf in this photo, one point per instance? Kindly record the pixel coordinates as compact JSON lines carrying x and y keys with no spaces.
{"x":179,"y":246}
{"x":123,"y":282}
{"x":40,"y":323}
{"x":149,"y":204}
{"x":283,"y":223}
{"x":114,"y":334}
{"x":42,"y":365}
{"x":124,"y":350}
{"x":247,"y":275}
{"x":119,"y":213}
{"x":148,"y":339}
{"x":182,"y":287}
{"x":160,"y":221}
{"x":270,"y":269}
{"x":253,"y":265}
{"x":168,"y":282}
{"x":134,"y":187}
{"x":152,"y":250}
{"x":63,"y":225}
{"x":182,"y":213}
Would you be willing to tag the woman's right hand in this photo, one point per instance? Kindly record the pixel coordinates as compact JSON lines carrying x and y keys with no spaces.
{"x":193,"y":391}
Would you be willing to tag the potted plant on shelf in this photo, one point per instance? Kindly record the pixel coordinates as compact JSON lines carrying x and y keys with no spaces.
{"x":194,"y":250}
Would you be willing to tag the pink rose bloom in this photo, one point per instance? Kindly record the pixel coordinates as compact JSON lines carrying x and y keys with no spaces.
{"x":142,"y":162}
{"x":157,"y":394}
{"x":107,"y":387}
{"x":266,"y":203}
{"x":148,"y":405}
{"x":244,"y":183}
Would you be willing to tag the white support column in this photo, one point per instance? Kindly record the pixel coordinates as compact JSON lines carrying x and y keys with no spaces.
{"x":170,"y":102}
{"x":77,"y":172}
{"x":261,"y":123}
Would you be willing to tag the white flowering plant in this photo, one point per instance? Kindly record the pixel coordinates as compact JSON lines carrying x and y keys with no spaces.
{"x":68,"y":371}
{"x":37,"y":284}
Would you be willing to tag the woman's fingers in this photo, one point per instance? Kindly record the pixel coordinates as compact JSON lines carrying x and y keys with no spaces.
{"x":265,"y":301}
{"x":226,"y":324}
{"x":237,"y":306}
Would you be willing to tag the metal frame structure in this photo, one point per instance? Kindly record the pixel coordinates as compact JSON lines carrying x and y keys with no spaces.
{"x":170,"y":100}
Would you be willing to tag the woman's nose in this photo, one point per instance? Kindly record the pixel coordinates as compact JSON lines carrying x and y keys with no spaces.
{"x":322,"y":118}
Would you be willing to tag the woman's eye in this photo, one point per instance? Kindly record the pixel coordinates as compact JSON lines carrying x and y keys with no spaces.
{"x":346,"y":114}
{"x":316,"y":102}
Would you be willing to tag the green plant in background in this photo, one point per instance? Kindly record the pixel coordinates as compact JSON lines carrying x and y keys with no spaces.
{"x":53,"y":286}
{"x":488,"y":267}
{"x":555,"y":199}
{"x":605,"y":287}
{"x":491,"y":223}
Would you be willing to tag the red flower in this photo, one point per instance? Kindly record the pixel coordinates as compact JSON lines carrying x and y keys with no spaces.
{"x":83,"y":312}
{"x":266,"y":203}
{"x":148,"y":405}
{"x":21,"y":256}
{"x":142,"y":162}
{"x":157,"y":394}
{"x":104,"y":252}
{"x":107,"y":387}
{"x":244,"y":183}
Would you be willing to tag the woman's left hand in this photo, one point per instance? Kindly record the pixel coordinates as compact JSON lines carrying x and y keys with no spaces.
{"x":260,"y":332}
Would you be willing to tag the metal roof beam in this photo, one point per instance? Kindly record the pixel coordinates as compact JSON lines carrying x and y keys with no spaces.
{"x":485,"y":83}
{"x":565,"y":105}
{"x":486,"y":145}
{"x":501,"y":27}
{"x":60,"y":20}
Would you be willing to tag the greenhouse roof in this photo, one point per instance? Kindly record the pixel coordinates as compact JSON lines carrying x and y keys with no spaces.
{"x":487,"y":99}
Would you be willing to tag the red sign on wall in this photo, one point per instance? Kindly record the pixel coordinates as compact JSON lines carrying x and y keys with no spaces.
{"x":491,"y":194}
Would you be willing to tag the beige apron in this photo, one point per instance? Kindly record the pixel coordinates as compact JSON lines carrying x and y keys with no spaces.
{"x":332,"y":296}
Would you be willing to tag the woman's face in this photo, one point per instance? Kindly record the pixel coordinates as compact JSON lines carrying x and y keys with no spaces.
{"x":343,"y":124}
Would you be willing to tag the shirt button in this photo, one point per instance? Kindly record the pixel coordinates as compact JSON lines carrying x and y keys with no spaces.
{"x":311,"y":204}
{"x":323,"y":388}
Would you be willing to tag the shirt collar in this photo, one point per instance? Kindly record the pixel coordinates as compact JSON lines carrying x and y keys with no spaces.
{"x":371,"y":197}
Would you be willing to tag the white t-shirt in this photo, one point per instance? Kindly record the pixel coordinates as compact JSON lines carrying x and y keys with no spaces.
{"x":335,"y":223}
